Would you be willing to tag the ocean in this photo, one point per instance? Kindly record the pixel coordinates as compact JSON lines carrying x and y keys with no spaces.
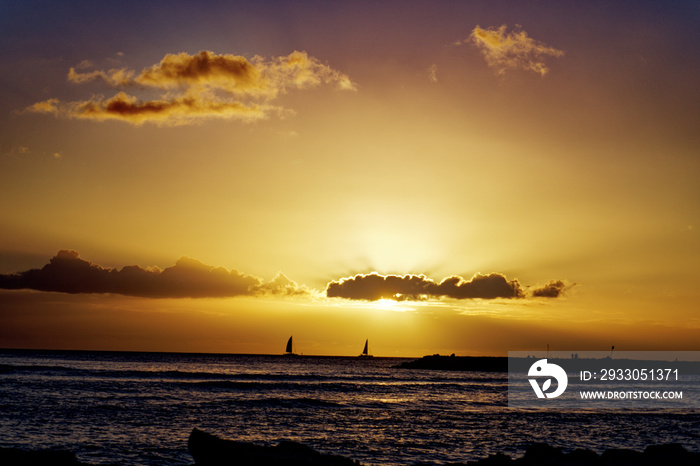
{"x":139,"y":409}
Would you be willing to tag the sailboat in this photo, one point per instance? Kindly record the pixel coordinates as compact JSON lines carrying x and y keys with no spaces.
{"x":365,"y":352}
{"x":289,"y":351}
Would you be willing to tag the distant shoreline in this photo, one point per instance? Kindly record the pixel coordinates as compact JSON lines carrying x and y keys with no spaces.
{"x":501,"y":363}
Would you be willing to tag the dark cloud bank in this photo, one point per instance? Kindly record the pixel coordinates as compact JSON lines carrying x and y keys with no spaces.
{"x":188,"y":278}
{"x":373,"y":286}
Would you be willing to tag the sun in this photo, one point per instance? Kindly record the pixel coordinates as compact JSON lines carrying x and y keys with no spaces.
{"x":387,"y":304}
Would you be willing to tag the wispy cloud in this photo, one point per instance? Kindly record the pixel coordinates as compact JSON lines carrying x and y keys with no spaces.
{"x":432,"y":73}
{"x":49,"y":106}
{"x":505,"y":50}
{"x":374,"y":286}
{"x":195,"y":87}
{"x":16,"y":151}
{"x":114,"y":78}
{"x":188,"y":278}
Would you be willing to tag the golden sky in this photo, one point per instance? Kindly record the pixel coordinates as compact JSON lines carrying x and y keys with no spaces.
{"x":438,"y":177}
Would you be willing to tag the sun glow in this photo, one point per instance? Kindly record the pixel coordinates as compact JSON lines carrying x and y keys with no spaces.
{"x":388,"y":305}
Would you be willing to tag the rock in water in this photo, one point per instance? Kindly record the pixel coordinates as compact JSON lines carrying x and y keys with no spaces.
{"x":210,"y":450}
{"x":17,"y":457}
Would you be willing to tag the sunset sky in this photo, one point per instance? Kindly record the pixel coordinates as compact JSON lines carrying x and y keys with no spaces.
{"x":439,"y":177}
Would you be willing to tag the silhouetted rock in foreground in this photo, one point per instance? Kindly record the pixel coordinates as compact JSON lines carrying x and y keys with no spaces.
{"x":17,"y":457}
{"x":541,"y":454}
{"x":209,"y":450}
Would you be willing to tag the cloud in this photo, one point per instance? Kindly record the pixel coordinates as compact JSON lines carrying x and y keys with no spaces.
{"x":553,"y":289}
{"x":188,"y":278}
{"x":282,"y":286}
{"x":66,"y":272}
{"x":432,"y":74}
{"x":50,"y":106}
{"x":196,"y":87}
{"x":114,"y":78}
{"x":169,"y":111}
{"x":231,"y":73}
{"x":373,"y":286}
{"x":511,"y":50}
{"x":17,"y":151}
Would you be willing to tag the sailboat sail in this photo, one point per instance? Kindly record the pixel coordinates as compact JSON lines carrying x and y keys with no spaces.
{"x":365,"y":351}
{"x":289,"y":347}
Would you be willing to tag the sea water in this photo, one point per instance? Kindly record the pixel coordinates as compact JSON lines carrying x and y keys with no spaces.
{"x":139,"y":408}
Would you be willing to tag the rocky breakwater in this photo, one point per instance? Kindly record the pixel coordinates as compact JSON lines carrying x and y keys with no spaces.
{"x":458,"y":363}
{"x":210,"y":450}
{"x":540,"y":454}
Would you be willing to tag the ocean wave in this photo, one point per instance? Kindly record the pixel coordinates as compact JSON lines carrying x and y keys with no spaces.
{"x":10,"y":368}
{"x":302,"y":402}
